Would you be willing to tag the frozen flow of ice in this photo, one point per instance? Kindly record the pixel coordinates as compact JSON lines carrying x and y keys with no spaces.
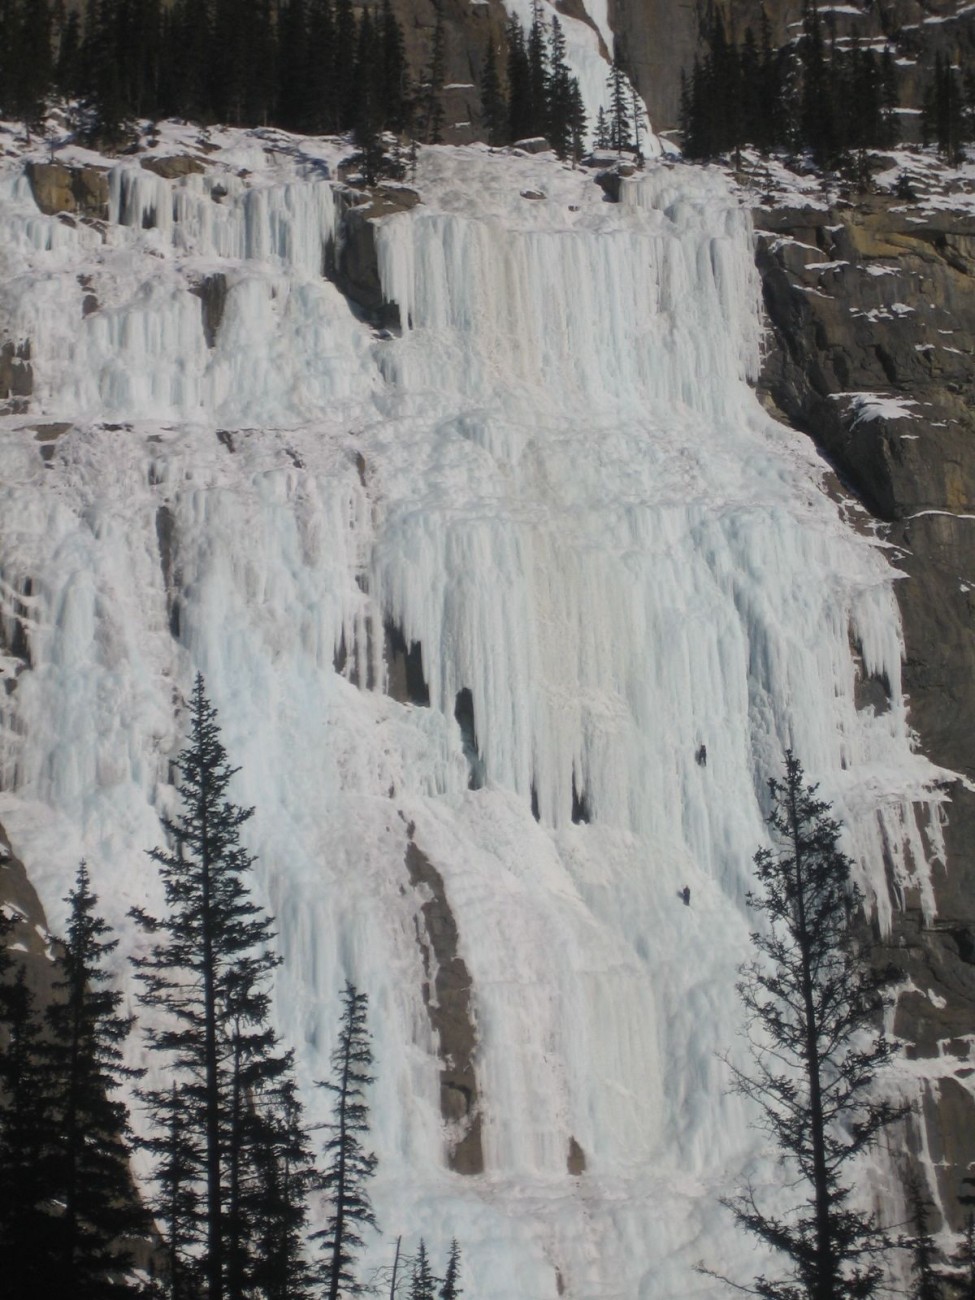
{"x":553,"y":480}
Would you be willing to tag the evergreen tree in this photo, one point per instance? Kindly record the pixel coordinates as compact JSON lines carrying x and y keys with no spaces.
{"x":28,"y":1221}
{"x":84,"y":1062}
{"x":619,"y":104}
{"x":433,"y":95}
{"x":492,"y":100}
{"x":349,"y":1166}
{"x":925,"y":1279}
{"x":26,"y":59}
{"x":943,"y":117}
{"x":320,"y":106}
{"x":102,"y":60}
{"x":423,"y":1283}
{"x":343,"y":67}
{"x":577,"y":119}
{"x":564,"y":99}
{"x":187,"y":42}
{"x":963,"y":1260}
{"x":538,"y":74}
{"x":67,"y":73}
{"x":367,"y":131}
{"x":394,"y":77}
{"x":450,"y":1288}
{"x":286,"y":1175}
{"x":602,"y":130}
{"x":177,"y":1208}
{"x":209,"y":972}
{"x":294,"y":73}
{"x":519,"y":83}
{"x":816,"y":1053}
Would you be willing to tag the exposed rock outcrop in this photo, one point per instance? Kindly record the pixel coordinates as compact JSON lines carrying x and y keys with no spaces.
{"x":872,"y":309}
{"x":352,"y":261}
{"x":82,"y":190}
{"x":447,"y":994}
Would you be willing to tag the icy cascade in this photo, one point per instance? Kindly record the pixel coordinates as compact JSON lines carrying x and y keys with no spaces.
{"x":655,"y":300}
{"x":558,"y":484}
{"x":142,"y":353}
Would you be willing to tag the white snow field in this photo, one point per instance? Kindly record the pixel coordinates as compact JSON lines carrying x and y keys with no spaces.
{"x":559,"y":483}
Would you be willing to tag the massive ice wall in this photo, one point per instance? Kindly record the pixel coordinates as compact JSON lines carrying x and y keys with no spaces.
{"x":554,"y":481}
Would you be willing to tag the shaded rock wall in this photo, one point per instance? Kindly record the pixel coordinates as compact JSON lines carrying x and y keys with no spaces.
{"x":872,"y":352}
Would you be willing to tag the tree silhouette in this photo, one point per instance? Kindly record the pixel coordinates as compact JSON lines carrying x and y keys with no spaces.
{"x":209,"y":973}
{"x":349,"y":1166}
{"x":85,"y":1066}
{"x":450,"y":1287}
{"x":813,"y":1008}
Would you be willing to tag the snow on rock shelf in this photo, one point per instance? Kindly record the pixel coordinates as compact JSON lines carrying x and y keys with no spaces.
{"x":556,"y":483}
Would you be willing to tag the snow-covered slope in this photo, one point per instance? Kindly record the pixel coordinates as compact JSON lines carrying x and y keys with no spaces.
{"x":558,"y":483}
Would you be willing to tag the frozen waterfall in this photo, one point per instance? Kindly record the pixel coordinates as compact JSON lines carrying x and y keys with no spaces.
{"x":555,"y":481}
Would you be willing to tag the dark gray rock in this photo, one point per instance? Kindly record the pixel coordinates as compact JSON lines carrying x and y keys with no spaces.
{"x":880,"y":298}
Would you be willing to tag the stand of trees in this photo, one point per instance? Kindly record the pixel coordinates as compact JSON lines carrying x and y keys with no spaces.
{"x":233,"y":1169}
{"x":304,"y":65}
{"x":542,"y":97}
{"x":67,"y":1206}
{"x":948,"y":115}
{"x":812,"y":94}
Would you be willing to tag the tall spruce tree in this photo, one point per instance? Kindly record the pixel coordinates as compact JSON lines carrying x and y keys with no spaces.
{"x":84,"y":1061}
{"x":493,"y":109}
{"x":619,"y":103}
{"x":519,"y":82}
{"x":813,"y":1006}
{"x":208,"y":973}
{"x":348,"y":1165}
{"x":450,"y":1287}
{"x":926,"y":1280}
{"x":423,"y":1283}
{"x":538,"y":73}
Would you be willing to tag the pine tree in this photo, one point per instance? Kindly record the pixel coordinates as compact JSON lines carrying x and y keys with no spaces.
{"x":538,"y":74}
{"x":349,"y":1166}
{"x":394,"y":77}
{"x":602,"y":130}
{"x":343,"y":67}
{"x":177,"y":1208}
{"x":85,"y":1065}
{"x":519,"y":83}
{"x":209,"y":972}
{"x":816,"y":1053}
{"x":423,"y":1283}
{"x":619,"y":104}
{"x":67,"y":74}
{"x":450,"y":1288}
{"x":286,"y":1176}
{"x":294,"y":73}
{"x":28,"y":1221}
{"x":943,"y":118}
{"x":319,"y":86}
{"x":563,"y":96}
{"x":963,"y":1260}
{"x":492,"y":101}
{"x":925,"y":1279}
{"x":436,"y":70}
{"x":26,"y":59}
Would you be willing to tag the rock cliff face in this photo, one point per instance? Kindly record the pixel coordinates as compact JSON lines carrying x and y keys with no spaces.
{"x":872,"y":313}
